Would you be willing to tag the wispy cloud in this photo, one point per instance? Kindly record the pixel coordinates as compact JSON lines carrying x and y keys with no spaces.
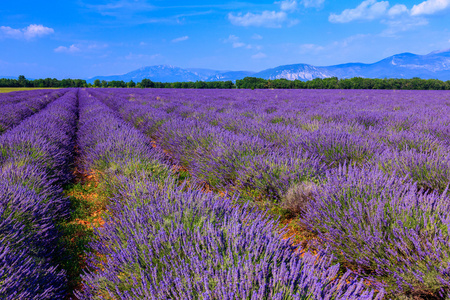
{"x":373,"y":9}
{"x":95,"y":46}
{"x":319,"y":53}
{"x":313,"y":3}
{"x":398,"y":18}
{"x":259,"y":55}
{"x":180,"y":39}
{"x":265,"y":19}
{"x":293,"y":5}
{"x":338,"y":45}
{"x":257,"y":37}
{"x":288,"y":5}
{"x":34,"y":30}
{"x":70,"y":49}
{"x":142,"y":12}
{"x":430,"y":7}
{"x":237,"y":43}
{"x":132,"y":56}
{"x":30,"y":32}
{"x":400,"y":25}
{"x":122,"y":8}
{"x":310,"y":48}
{"x":82,"y":47}
{"x":367,"y":10}
{"x":273,"y":18}
{"x":398,"y":9}
{"x":234,"y":40}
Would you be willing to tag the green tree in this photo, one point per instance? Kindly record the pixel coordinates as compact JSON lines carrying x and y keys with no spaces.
{"x":22,"y":81}
{"x":228,"y":84}
{"x":131,"y":84}
{"x":147,"y":83}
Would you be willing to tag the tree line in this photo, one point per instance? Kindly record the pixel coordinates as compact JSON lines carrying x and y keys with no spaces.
{"x":147,"y":83}
{"x":317,"y":83}
{"x":42,"y":83}
{"x":351,"y":83}
{"x":246,"y":83}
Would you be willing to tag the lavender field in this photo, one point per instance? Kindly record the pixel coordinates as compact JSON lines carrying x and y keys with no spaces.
{"x":192,"y":194}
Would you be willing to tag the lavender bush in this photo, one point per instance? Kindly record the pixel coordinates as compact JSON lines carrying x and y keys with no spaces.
{"x":383,"y":227}
{"x":175,"y":243}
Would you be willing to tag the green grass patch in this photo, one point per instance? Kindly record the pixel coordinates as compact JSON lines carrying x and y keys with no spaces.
{"x":86,"y":206}
{"x":7,"y":90}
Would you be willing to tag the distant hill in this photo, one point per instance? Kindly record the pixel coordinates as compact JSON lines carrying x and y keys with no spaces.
{"x":293,"y":72}
{"x":435,"y":65}
{"x":406,"y":65}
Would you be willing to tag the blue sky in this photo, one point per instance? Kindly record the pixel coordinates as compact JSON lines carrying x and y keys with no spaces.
{"x":82,"y":39}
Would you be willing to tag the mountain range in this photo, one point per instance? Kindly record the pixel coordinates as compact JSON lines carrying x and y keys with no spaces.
{"x":435,"y":65}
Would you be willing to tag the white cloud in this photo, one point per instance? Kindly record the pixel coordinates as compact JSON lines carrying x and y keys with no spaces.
{"x":348,"y":42}
{"x":367,"y":10}
{"x":312,"y":3}
{"x":28,"y":33}
{"x":180,"y":39}
{"x":122,"y":8}
{"x":373,"y":9}
{"x":288,"y":5}
{"x":234,"y":40}
{"x":257,"y":37}
{"x":71,"y":49}
{"x":330,"y":50}
{"x":265,"y":19}
{"x":237,"y":43}
{"x":259,"y":55}
{"x":132,"y":56}
{"x":397,"y":9}
{"x":398,"y":18}
{"x":310,"y":48}
{"x":430,"y":7}
{"x":257,"y":47}
{"x":400,"y":25}
{"x":9,"y":32}
{"x":96,"y":46}
{"x":34,"y":30}
{"x":83,"y":47}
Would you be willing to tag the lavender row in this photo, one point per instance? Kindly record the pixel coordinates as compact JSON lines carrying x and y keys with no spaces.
{"x":35,"y":161}
{"x":113,"y":147}
{"x":15,"y":109}
{"x":164,"y":241}
{"x":19,"y":96}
